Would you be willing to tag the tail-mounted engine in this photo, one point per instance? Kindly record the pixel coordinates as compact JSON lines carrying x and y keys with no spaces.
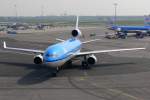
{"x":76,"y":33}
{"x":92,"y":59}
{"x":38,"y":59}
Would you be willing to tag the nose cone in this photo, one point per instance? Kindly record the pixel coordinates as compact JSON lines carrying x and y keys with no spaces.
{"x":50,"y":55}
{"x":53,"y":56}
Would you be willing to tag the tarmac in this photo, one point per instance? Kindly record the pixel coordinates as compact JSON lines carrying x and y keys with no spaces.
{"x":116,"y":76}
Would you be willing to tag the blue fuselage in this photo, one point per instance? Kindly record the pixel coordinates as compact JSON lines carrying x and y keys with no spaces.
{"x":131,"y":28}
{"x":56,"y":55}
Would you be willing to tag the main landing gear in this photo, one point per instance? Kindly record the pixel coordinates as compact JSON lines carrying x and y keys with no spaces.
{"x":55,"y":71}
{"x":139,"y":35}
{"x":84,"y":64}
{"x":122,"y":35}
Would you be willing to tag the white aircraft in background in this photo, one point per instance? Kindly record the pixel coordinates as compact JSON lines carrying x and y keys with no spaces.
{"x":58,"y":54}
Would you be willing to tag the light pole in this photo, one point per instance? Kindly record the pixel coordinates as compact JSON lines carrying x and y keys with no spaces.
{"x":15,"y":7}
{"x":115,"y":17}
{"x":42,"y":10}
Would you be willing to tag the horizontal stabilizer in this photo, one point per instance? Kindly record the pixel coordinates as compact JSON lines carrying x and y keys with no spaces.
{"x":61,"y":40}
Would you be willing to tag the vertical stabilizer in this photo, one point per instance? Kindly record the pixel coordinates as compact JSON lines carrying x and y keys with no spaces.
{"x":76,"y":32}
{"x":147,"y":20}
{"x":77,"y":22}
{"x":110,"y":24}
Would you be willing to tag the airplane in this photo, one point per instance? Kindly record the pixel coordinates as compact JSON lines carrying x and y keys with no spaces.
{"x":15,"y":25}
{"x":140,"y":31}
{"x":55,"y":56}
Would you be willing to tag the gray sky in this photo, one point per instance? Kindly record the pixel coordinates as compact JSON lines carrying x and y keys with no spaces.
{"x":73,"y":7}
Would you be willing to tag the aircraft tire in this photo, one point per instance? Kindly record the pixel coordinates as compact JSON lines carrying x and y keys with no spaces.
{"x":85,"y":65}
{"x":140,"y":35}
{"x":55,"y":71}
{"x":54,"y":74}
{"x":69,"y":63}
{"x":123,"y":37}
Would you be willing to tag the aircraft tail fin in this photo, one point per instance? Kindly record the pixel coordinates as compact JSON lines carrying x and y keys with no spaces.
{"x":77,"y":22}
{"x":110,"y":22}
{"x":147,"y":20}
{"x":76,"y":32}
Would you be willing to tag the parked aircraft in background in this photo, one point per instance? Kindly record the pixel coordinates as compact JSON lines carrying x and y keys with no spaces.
{"x":58,"y":54}
{"x":141,"y":31}
{"x":14,"y":25}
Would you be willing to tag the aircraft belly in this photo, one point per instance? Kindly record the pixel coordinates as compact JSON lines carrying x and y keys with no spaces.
{"x":58,"y":63}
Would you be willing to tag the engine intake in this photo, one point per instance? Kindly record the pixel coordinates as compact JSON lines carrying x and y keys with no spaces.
{"x":119,"y":29}
{"x":38,"y":59}
{"x":92,"y":59}
{"x":76,"y":33}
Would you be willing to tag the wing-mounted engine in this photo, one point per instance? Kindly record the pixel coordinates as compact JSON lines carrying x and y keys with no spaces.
{"x":38,"y":59}
{"x":118,"y":29}
{"x":76,"y":33}
{"x":91,"y":59}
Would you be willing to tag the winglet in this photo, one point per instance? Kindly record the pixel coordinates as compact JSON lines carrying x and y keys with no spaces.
{"x":4,"y":44}
{"x":77,"y":22}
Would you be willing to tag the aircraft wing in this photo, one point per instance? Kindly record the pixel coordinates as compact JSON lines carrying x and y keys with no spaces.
{"x":22,"y":49}
{"x":106,"y":51}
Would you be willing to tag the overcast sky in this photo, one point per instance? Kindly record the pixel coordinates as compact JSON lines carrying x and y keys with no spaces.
{"x":73,"y":7}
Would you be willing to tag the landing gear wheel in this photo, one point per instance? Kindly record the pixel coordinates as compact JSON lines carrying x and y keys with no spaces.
{"x":85,"y":65}
{"x":55,"y":71}
{"x":148,"y":33}
{"x":69,"y":64}
{"x":139,"y":35}
{"x":123,"y":36}
{"x":54,"y":74}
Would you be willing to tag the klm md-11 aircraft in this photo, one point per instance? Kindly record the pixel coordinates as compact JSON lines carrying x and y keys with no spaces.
{"x":140,"y":31}
{"x":58,"y":54}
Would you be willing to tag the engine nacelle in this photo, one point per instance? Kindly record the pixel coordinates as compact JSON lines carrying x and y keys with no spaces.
{"x":38,"y":59}
{"x":76,"y":33}
{"x":92,"y":59}
{"x":119,"y":29}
